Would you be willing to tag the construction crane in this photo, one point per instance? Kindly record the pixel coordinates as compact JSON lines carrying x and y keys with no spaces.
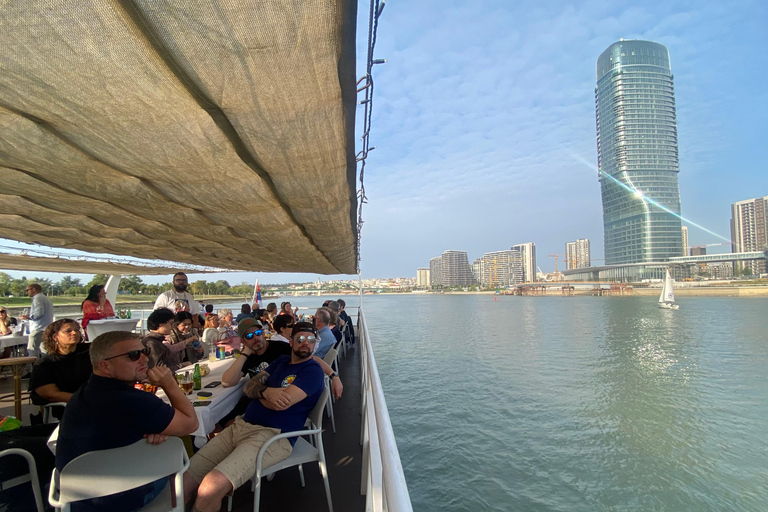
{"x":556,"y":256}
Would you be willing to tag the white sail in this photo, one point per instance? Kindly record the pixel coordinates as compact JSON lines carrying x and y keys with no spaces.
{"x":667,"y":292}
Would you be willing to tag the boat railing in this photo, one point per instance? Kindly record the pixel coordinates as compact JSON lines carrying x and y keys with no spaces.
{"x":383,"y":480}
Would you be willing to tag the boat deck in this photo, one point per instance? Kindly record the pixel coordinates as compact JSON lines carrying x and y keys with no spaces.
{"x":342,"y":451}
{"x":343,"y":455}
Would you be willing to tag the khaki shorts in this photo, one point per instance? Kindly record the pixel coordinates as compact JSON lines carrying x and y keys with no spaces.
{"x":234,"y":450}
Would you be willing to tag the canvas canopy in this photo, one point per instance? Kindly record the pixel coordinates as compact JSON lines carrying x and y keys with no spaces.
{"x":211,"y":133}
{"x":53,"y":264}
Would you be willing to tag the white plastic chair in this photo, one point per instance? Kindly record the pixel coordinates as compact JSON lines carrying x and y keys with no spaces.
{"x":331,"y":358}
{"x":303,"y":451}
{"x":31,"y":477}
{"x":47,"y":410}
{"x":105,"y":472}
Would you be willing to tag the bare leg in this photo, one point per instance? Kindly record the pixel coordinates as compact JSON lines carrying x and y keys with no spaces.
{"x":211,"y":491}
{"x":190,"y":487}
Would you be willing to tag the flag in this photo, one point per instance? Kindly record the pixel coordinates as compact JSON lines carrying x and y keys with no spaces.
{"x":257,"y":295}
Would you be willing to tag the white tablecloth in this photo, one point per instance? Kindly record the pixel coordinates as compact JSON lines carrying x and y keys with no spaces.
{"x":98,"y":327}
{"x":222,"y":400}
{"x":13,"y":340}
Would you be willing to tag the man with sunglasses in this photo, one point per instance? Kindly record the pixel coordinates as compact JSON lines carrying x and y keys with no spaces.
{"x":283,"y":395}
{"x":259,"y":353}
{"x":108,"y":412}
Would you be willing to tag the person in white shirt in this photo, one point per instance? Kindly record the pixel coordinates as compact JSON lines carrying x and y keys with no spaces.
{"x":40,"y":316}
{"x":178,"y":299}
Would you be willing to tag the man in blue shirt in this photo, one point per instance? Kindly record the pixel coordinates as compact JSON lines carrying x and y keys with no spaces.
{"x":284,"y":394}
{"x":108,"y":412}
{"x":322,"y":321}
{"x":40,"y":316}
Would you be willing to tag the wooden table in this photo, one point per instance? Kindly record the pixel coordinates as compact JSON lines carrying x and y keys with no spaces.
{"x":17,"y":366}
{"x":222,"y":401}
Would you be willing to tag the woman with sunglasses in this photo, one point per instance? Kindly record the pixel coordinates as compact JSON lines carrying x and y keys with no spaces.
{"x":65,"y":368}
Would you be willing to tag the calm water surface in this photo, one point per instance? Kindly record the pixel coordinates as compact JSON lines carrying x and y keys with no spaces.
{"x":576,"y":403}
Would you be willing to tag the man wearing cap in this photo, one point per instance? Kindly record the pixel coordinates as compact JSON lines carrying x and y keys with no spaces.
{"x":283,"y":395}
{"x":259,"y":353}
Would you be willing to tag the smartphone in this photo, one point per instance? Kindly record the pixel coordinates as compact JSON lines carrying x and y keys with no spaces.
{"x":213,"y":384}
{"x":201,"y":404}
{"x":204,"y":393}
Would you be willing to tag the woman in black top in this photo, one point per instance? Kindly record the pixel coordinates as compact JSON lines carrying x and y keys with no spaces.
{"x":66,"y":367}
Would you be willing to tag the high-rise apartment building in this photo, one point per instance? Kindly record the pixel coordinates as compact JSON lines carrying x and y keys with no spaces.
{"x":456,"y":269}
{"x":685,"y":240}
{"x":527,"y":254}
{"x":436,"y":272}
{"x":637,"y":155}
{"x":477,"y":270}
{"x":501,"y":268}
{"x":577,"y":254}
{"x":422,"y":277}
{"x":749,"y":230}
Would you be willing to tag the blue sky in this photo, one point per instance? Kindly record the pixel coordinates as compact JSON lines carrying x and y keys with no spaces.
{"x":485,"y":109}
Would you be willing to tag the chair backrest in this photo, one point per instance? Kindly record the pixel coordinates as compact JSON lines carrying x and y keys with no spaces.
{"x":330,"y":356}
{"x":104,"y":472}
{"x":316,"y":415}
{"x":30,"y":477}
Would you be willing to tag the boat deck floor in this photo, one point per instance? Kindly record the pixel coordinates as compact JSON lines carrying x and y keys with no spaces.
{"x":343,"y":455}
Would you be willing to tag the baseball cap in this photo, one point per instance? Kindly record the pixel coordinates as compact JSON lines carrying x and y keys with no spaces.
{"x":247,"y":323}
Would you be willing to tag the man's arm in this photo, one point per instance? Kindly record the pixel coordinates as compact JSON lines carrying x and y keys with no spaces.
{"x":184,"y":418}
{"x":280,"y":399}
{"x":254,"y":387}
{"x":52,"y":393}
{"x":337,"y":388}
{"x":235,"y":371}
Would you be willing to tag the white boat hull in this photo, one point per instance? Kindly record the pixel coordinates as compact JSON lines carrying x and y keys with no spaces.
{"x":664,"y":305}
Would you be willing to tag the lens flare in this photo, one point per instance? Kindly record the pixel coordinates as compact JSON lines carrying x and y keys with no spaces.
{"x":640,"y":195}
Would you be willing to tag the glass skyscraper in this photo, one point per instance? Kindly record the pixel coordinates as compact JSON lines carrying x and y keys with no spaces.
{"x":637,"y":155}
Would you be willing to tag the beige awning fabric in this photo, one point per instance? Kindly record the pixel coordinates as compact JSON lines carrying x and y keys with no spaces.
{"x":66,"y":265}
{"x":204,"y":132}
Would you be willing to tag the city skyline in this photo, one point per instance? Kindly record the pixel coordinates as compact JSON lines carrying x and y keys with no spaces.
{"x":484,"y":124}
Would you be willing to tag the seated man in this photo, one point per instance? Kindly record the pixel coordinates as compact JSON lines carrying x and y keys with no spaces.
{"x":162,"y":350}
{"x":283,"y":394}
{"x":259,"y":353}
{"x":245,"y":312}
{"x":108,"y":412}
{"x":322,"y":320}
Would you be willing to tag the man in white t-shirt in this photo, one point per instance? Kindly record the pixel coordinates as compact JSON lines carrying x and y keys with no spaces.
{"x":178,"y":299}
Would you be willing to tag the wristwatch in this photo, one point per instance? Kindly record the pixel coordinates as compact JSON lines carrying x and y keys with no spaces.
{"x":334,"y":374}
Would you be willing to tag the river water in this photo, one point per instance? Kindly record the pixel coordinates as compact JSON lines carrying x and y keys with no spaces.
{"x":575,"y":403}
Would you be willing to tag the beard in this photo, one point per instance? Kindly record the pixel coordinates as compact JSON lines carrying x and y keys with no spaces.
{"x":181,"y":288}
{"x":302,"y":352}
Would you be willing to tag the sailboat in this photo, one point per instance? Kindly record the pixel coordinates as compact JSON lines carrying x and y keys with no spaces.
{"x":667,"y":297}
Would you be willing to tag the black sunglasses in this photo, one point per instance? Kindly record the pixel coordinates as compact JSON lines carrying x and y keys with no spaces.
{"x":133,"y":355}
{"x":250,"y":335}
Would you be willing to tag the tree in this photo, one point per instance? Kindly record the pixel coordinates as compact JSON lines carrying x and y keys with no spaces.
{"x":198,"y":287}
{"x":97,"y":279}
{"x":131,"y":284}
{"x":5,"y":284}
{"x":67,"y":283}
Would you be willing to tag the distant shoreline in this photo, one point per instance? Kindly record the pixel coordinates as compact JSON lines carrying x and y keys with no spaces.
{"x":701,"y":291}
